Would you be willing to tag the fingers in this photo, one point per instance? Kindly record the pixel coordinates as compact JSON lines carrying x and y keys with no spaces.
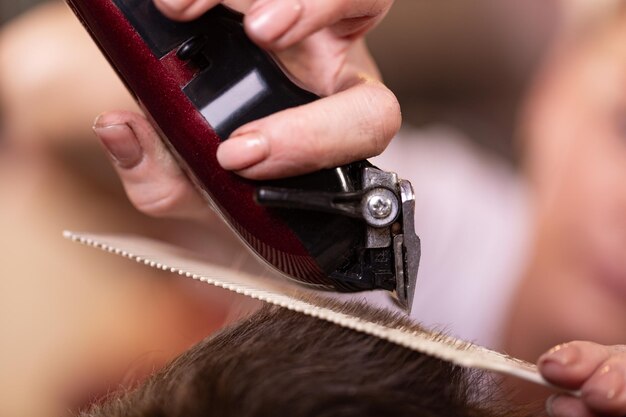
{"x":598,"y":371}
{"x":185,"y":9}
{"x":151,"y":177}
{"x":571,"y":364}
{"x":279,"y":24}
{"x":354,"y":124}
{"x":605,"y":391}
{"x":566,"y":406}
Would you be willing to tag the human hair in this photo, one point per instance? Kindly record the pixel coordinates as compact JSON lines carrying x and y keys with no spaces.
{"x":282,"y":363}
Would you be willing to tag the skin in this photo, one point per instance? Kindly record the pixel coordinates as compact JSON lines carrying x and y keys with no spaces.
{"x":106,"y":332}
{"x":71,"y":332}
{"x":576,"y":178}
{"x":575,"y":287}
{"x":595,"y":370}
{"x":321,"y":44}
{"x":349,"y":72}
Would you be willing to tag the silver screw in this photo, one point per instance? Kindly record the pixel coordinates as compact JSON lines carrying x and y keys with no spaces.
{"x":379,"y":207}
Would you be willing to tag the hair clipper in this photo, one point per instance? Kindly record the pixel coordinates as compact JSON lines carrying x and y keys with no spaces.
{"x":348,"y":229}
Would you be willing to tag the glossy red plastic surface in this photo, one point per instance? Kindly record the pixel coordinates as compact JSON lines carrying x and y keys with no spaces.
{"x":158,"y":84}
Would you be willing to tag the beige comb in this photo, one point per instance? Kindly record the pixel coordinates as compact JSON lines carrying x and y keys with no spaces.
{"x":272,"y":289}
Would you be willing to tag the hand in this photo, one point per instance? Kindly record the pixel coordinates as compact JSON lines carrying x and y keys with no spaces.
{"x":154,"y":182}
{"x":321,"y":43}
{"x":598,"y":371}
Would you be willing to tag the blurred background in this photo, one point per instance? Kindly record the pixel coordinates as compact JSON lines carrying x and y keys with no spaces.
{"x":506,"y":77}
{"x":454,"y":61}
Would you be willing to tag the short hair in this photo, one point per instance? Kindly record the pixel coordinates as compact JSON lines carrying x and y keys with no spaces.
{"x":282,"y":363}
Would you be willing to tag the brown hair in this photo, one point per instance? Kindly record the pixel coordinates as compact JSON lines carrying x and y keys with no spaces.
{"x":282,"y":363}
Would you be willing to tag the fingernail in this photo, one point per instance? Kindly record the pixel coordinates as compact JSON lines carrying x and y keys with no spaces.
{"x":121,"y":143}
{"x":268,"y":20}
{"x":561,"y":355}
{"x":242,"y":152}
{"x":607,"y":385}
{"x":550,"y":406}
{"x":559,"y":405}
{"x":176,"y":5}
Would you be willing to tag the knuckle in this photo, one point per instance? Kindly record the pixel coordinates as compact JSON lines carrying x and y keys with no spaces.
{"x":369,"y":8}
{"x":159,"y":201}
{"x":621,"y":349}
{"x":385,"y":124}
{"x":379,"y":7}
{"x":300,"y":149}
{"x":296,"y":142}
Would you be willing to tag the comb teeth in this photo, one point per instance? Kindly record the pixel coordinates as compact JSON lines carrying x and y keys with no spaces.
{"x":274,"y":290}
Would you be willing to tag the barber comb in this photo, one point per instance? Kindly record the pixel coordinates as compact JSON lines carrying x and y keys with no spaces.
{"x":270,"y":288}
{"x":346,"y":229}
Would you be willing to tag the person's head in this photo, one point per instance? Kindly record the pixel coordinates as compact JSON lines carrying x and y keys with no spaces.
{"x":575,"y":133}
{"x":282,"y":363}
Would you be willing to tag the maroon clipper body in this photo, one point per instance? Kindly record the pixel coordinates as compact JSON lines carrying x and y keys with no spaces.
{"x":347,"y":229}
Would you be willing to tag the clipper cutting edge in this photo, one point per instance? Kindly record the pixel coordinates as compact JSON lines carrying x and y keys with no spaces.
{"x":349,"y":229}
